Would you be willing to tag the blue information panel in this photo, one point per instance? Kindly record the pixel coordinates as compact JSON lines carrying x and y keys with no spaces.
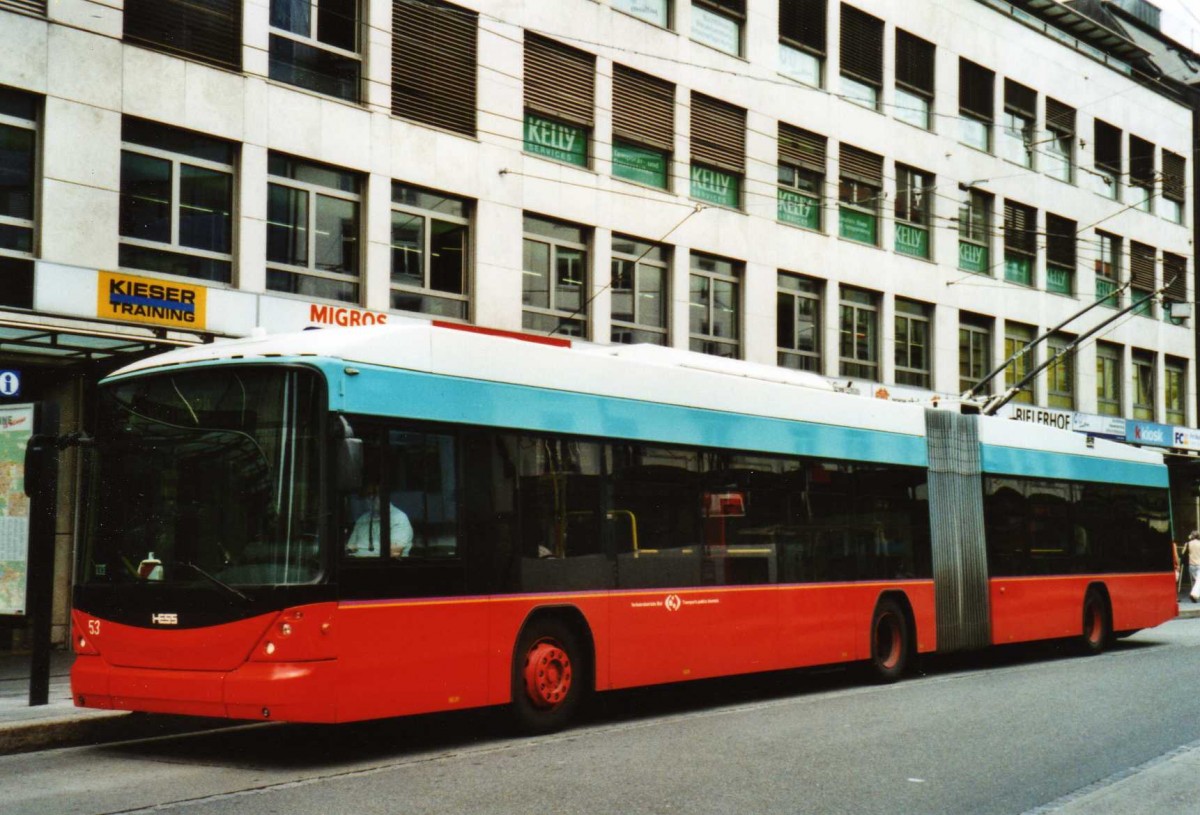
{"x":10,"y":383}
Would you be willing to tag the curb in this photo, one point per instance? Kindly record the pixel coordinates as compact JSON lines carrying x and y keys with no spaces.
{"x":97,"y":728}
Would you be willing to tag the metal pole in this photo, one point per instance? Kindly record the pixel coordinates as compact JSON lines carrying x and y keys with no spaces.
{"x":43,"y":522}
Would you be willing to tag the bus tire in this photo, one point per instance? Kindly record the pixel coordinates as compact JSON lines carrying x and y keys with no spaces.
{"x":1097,"y":623}
{"x":890,"y":637}
{"x":550,"y":676}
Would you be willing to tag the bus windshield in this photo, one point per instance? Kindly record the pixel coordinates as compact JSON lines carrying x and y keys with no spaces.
{"x":207,"y":476}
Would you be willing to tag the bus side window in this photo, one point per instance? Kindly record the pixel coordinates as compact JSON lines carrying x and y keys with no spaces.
{"x":423,"y":487}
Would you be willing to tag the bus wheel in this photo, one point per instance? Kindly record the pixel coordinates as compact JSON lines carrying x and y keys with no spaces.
{"x":549,"y":676}
{"x":889,"y":641}
{"x":1097,"y":627}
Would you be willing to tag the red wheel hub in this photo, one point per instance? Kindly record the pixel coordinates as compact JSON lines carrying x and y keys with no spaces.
{"x":547,"y":674}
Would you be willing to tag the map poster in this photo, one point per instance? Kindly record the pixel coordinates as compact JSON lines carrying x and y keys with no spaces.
{"x":16,"y":426}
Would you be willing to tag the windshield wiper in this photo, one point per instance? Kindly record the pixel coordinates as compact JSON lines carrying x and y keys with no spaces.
{"x":215,"y":580}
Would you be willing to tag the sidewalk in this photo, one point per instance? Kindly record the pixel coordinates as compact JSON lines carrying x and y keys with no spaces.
{"x":60,"y":723}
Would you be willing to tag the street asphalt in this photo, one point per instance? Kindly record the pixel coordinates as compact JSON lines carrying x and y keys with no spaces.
{"x":1163,"y":785}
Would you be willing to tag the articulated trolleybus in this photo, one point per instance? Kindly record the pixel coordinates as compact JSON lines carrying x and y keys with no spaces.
{"x":347,"y":524}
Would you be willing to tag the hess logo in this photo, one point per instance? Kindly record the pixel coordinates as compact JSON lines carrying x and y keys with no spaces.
{"x":165,"y":618}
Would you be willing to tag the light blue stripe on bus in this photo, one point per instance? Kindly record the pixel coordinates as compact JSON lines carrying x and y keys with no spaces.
{"x":1040,"y":464}
{"x":450,"y":399}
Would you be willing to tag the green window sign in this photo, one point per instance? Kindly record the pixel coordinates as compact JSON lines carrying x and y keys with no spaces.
{"x":857,"y":226}
{"x":912,"y":240}
{"x":1058,"y":279}
{"x":972,"y":257}
{"x":556,"y":140}
{"x":1018,"y":269}
{"x":640,"y":164}
{"x":1104,"y":290}
{"x":798,"y":209}
{"x":715,"y":186}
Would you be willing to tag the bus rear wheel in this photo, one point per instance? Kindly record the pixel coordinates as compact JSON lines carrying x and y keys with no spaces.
{"x":889,"y":641}
{"x":550,"y":676}
{"x":1097,"y":625}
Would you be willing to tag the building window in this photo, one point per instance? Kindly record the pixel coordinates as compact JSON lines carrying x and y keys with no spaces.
{"x":974,"y":351}
{"x":1141,"y":276}
{"x":1108,"y":379}
{"x":859,"y":189}
{"x":434,"y":64}
{"x":560,"y":85}
{"x":18,"y":162}
{"x":802,"y":48}
{"x":714,"y":297}
{"x":1106,"y":146}
{"x":1108,"y":269}
{"x":430,"y":246}
{"x":643,"y":127}
{"x":1174,"y":186}
{"x":801,"y":177}
{"x":312,"y":229}
{"x":1020,"y":106}
{"x":554,"y":294}
{"x":974,"y":230}
{"x":1060,"y":374}
{"x":914,"y":80}
{"x":798,"y":322}
{"x":718,"y":151}
{"x":1016,"y":338}
{"x":1060,"y":254}
{"x":1175,"y":391}
{"x":639,"y":291}
{"x":976,"y":104}
{"x":858,"y":346}
{"x":862,"y":57}
{"x":1020,"y":243}
{"x":176,"y":202}
{"x":1143,"y":384}
{"x":208,"y":32}
{"x":652,"y":11}
{"x":719,"y":23}
{"x":1058,"y":153}
{"x":1175,"y":280}
{"x":1141,"y":173}
{"x":914,"y":192}
{"x":912,"y":343}
{"x":315,"y":44}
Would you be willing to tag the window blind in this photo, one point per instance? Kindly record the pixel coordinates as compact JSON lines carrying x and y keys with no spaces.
{"x":803,"y":22}
{"x":914,"y":62}
{"x":560,"y":81}
{"x":862,"y":45}
{"x":1020,"y":228}
{"x":801,"y":148}
{"x":209,"y":32}
{"x":643,"y":108}
{"x":976,"y":88}
{"x":718,"y":133}
{"x":1141,"y":265}
{"x":1174,"y":176}
{"x":1060,"y":240}
{"x":1108,"y":147}
{"x":860,"y":165}
{"x":434,"y":64}
{"x":1141,"y":162}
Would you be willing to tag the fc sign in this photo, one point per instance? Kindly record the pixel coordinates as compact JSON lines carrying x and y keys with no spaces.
{"x":10,"y":383}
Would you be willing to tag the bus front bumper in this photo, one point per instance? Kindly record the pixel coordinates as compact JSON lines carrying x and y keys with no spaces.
{"x":265,"y":691}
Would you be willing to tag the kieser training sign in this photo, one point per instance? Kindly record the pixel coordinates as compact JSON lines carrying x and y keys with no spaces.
{"x":16,"y":426}
{"x":154,"y":302}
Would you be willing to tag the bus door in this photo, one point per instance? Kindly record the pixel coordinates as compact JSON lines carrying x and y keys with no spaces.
{"x":407,"y":629}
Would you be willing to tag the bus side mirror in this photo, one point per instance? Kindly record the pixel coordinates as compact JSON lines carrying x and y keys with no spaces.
{"x":347,"y":458}
{"x":41,"y":466}
{"x":349,"y":465}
